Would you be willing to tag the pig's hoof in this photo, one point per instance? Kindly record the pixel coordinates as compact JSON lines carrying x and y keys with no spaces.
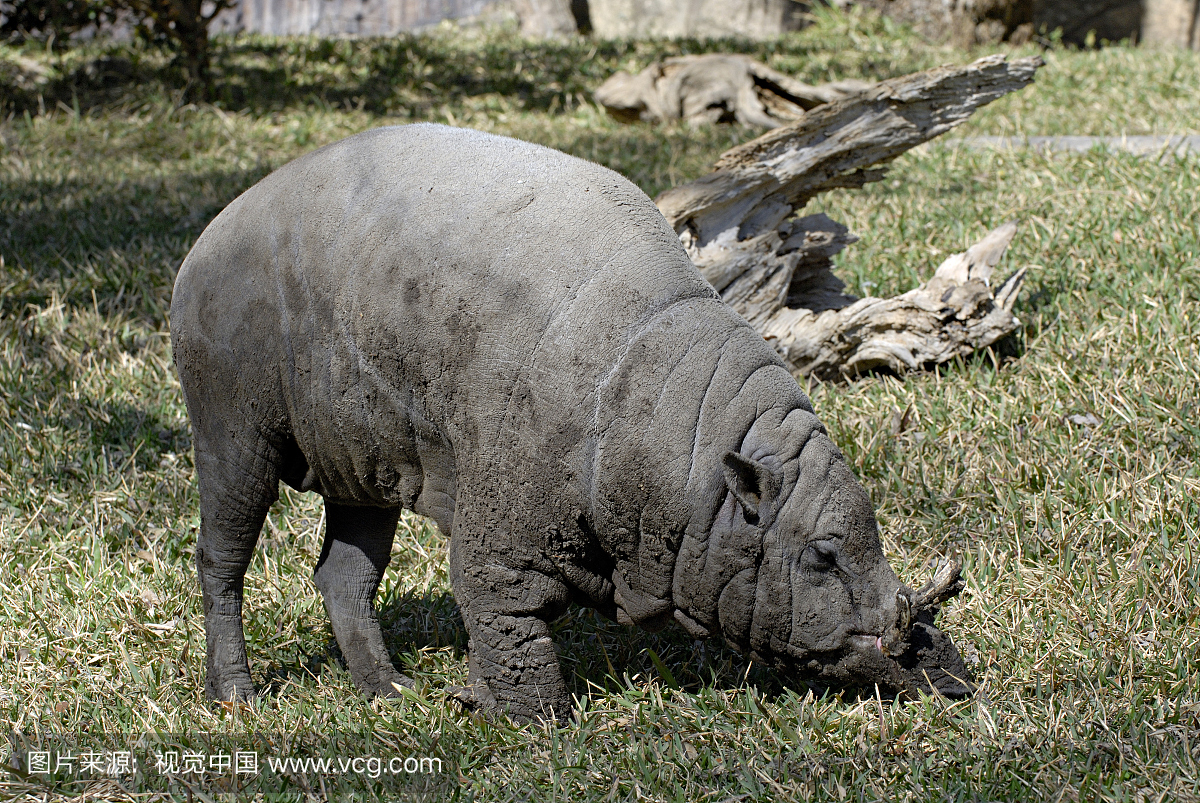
{"x":479,"y":701}
{"x":231,"y":692}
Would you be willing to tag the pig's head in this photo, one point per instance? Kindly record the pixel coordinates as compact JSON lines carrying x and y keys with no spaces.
{"x":826,"y":606}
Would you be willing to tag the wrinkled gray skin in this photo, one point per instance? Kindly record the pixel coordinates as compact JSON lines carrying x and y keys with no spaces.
{"x":513,"y":342}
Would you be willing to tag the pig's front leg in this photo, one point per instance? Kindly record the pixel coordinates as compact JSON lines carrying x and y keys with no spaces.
{"x":513,"y":663}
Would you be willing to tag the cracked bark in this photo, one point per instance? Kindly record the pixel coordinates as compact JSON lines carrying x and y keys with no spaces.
{"x":739,"y":225}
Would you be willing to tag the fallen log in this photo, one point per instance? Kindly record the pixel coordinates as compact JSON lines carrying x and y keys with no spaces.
{"x":739,"y":225}
{"x":716,"y":87}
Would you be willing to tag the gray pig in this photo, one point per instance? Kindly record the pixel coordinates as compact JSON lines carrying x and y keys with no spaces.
{"x":513,"y":342}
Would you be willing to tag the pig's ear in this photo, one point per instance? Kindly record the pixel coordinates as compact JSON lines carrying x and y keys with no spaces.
{"x":750,"y":482}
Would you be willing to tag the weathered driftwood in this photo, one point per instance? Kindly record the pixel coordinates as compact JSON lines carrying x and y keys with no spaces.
{"x":738,"y":224}
{"x":946,"y":583}
{"x":717,"y":87}
{"x":951,"y":315}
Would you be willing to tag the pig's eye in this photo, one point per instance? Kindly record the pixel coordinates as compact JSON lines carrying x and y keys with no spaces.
{"x":822,"y":556}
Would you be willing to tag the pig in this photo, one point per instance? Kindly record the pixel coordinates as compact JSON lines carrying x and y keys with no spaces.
{"x":513,"y":342}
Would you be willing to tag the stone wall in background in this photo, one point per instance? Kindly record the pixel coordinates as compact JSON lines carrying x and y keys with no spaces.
{"x":1172,"y":22}
{"x":754,"y":19}
{"x":964,"y":22}
{"x":344,"y":17}
{"x":971,"y":22}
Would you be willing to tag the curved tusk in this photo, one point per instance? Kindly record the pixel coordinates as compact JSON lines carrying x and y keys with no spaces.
{"x":904,"y":613}
{"x":946,"y":583}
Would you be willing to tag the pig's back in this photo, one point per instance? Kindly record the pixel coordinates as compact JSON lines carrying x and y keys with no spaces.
{"x":420,"y":294}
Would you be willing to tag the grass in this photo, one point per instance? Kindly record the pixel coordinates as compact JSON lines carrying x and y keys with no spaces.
{"x":1081,"y":541}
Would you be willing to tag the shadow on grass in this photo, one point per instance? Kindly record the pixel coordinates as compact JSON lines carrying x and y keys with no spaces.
{"x":117,"y":244}
{"x":408,"y":72}
{"x":114,"y":246}
{"x":594,"y":652}
{"x":137,"y":435}
{"x":90,"y":445}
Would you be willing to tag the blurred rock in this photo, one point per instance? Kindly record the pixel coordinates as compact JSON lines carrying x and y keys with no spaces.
{"x":545,"y":19}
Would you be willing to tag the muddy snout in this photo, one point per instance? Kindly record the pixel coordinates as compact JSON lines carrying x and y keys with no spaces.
{"x":910,"y":604}
{"x":929,"y":662}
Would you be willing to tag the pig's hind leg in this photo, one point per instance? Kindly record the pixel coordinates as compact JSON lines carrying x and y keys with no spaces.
{"x":238,"y":478}
{"x":358,"y":546}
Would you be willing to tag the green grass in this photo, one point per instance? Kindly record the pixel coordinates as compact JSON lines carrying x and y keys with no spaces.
{"x":1081,"y":542}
